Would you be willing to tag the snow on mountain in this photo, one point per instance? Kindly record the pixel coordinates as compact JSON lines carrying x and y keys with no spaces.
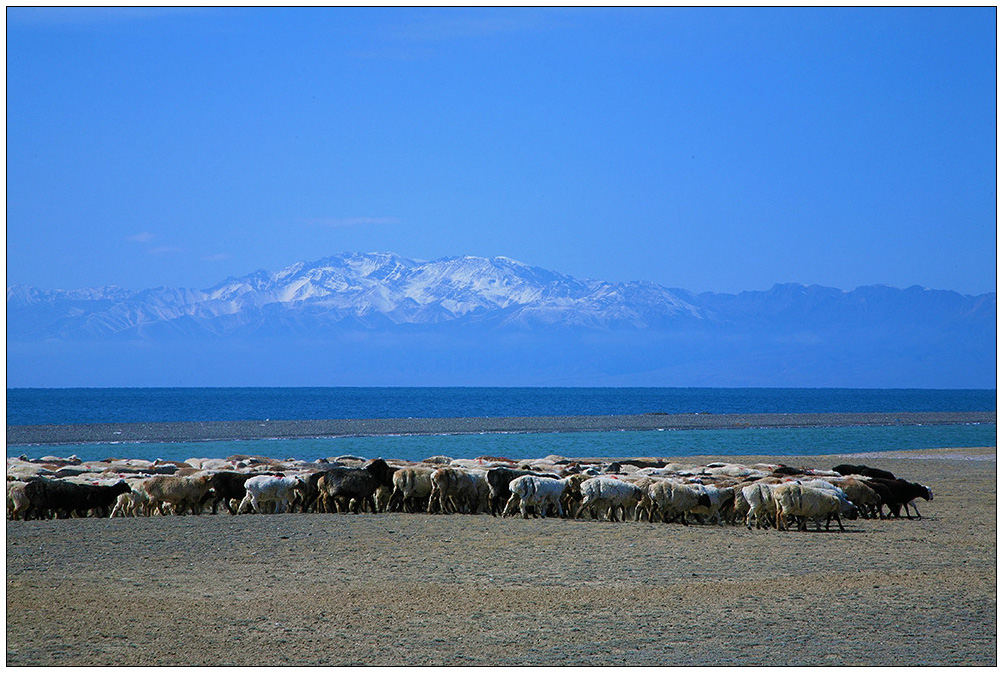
{"x":23,"y":295}
{"x":376,"y":290}
{"x":367,"y":289}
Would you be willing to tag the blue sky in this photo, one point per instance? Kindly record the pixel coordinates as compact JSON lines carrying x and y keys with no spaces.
{"x":708,"y":149}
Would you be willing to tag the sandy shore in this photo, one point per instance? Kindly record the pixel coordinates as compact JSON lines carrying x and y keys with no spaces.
{"x":230,"y":430}
{"x":396,"y":589}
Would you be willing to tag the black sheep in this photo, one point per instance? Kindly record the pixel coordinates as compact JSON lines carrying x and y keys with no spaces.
{"x":899,"y":492}
{"x":226,"y":486}
{"x":875,"y":472}
{"x":63,"y":498}
{"x":337,"y":488}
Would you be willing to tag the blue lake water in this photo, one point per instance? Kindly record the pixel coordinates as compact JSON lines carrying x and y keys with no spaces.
{"x":119,"y":405}
{"x":31,"y":406}
{"x":769,"y":441}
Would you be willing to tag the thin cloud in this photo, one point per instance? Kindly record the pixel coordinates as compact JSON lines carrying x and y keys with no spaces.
{"x":141,"y":237}
{"x":338,"y":222}
{"x":165,"y":250}
{"x":216,"y":258}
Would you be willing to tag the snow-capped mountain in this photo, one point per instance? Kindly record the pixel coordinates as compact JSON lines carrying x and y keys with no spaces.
{"x":382,"y":319}
{"x":367,"y":290}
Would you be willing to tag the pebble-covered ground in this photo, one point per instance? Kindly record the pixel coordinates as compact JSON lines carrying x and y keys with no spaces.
{"x":399,"y":589}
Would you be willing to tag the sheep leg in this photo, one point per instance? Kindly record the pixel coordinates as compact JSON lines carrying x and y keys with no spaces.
{"x":395,"y":499}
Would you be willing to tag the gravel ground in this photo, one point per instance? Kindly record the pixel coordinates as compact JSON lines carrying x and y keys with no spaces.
{"x":397,"y":589}
{"x":230,"y":430}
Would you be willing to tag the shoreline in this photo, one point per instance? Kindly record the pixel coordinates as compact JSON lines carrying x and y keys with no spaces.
{"x":99,"y":433}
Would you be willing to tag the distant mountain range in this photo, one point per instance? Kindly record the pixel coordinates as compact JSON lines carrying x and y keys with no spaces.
{"x":500,"y":308}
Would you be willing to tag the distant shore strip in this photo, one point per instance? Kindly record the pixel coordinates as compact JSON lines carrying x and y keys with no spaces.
{"x":98,"y":433}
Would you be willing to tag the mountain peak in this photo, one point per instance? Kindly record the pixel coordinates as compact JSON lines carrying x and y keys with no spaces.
{"x":373,"y":289}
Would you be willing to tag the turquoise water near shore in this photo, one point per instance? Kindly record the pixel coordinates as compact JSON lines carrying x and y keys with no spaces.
{"x":761,"y":441}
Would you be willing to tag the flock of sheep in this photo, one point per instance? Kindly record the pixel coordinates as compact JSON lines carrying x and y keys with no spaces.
{"x":764,"y":495}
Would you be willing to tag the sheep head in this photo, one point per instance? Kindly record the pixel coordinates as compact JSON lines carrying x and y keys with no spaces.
{"x":383,"y":472}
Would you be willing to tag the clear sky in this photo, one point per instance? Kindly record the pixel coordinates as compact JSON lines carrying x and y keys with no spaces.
{"x":708,"y":149}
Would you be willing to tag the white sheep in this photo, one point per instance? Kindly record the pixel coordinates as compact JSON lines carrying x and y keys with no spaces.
{"x":792,"y":499}
{"x":614,"y":494}
{"x":412,"y":488}
{"x":759,"y":495}
{"x":721,"y":501}
{"x":269,"y":489}
{"x":133,"y":503}
{"x":733,"y":470}
{"x":458,"y":490}
{"x":673,"y":499}
{"x":540,"y":493}
{"x":17,"y":501}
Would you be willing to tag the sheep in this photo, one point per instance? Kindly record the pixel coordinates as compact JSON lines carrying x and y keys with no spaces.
{"x":456,"y":490}
{"x":225,"y":486}
{"x":412,"y":488}
{"x":732,"y":470}
{"x":498,"y":479}
{"x":741,"y":507}
{"x":133,"y":503}
{"x":901,"y":493}
{"x":810,"y":503}
{"x":759,"y":495}
{"x":537,"y":492}
{"x":17,"y":501}
{"x":866,"y":499}
{"x":863,"y":471}
{"x":572,"y":497}
{"x":722,"y":501}
{"x":311,"y":490}
{"x":65,"y":498}
{"x":24,"y":472}
{"x":180,"y":492}
{"x":673,"y":499}
{"x":270,"y":489}
{"x":339,"y":487}
{"x":615,"y":494}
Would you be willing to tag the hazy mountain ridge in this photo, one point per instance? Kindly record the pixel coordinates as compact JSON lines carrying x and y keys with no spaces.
{"x":384,"y":290}
{"x":358,"y":290}
{"x":382,"y":319}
